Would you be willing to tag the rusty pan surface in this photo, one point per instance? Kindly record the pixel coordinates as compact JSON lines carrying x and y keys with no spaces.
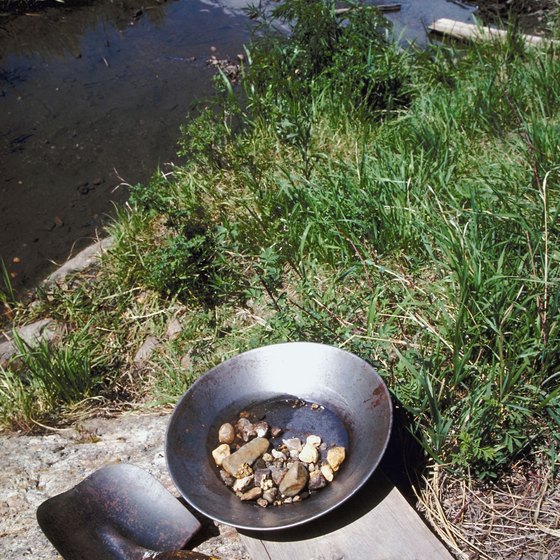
{"x":355,"y":409}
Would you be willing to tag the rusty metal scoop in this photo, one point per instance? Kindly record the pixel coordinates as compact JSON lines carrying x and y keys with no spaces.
{"x":120,"y":512}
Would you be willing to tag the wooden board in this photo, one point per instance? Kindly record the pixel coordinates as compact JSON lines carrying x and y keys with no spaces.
{"x":468,"y":31}
{"x":375,"y":524}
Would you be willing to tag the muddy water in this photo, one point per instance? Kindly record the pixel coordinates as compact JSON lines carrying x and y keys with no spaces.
{"x":91,"y":99}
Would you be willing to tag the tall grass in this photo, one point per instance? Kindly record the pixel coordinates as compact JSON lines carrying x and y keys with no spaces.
{"x":44,"y":378}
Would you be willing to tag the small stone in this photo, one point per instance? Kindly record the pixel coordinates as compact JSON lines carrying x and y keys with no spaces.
{"x":275,"y":432}
{"x":277,"y":473}
{"x":288,"y":500}
{"x":315,"y":441}
{"x":252,"y":494}
{"x":294,"y":480}
{"x":241,"y":483}
{"x":267,"y":484}
{"x":296,"y":499}
{"x":226,"y":433}
{"x":327,"y":472}
{"x":227,"y":479}
{"x":309,"y":454}
{"x":335,"y":457}
{"x":293,"y":444}
{"x":315,"y":406}
{"x":278,"y":455}
{"x":220,"y":453}
{"x":262,"y":502}
{"x":316,"y":480}
{"x":270,"y":495}
{"x":268,"y":458}
{"x":236,"y":463}
{"x":261,"y":428}
{"x":245,"y":429}
{"x":261,"y":475}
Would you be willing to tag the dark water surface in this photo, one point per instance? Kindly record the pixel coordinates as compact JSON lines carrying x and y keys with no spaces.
{"x":91,"y":98}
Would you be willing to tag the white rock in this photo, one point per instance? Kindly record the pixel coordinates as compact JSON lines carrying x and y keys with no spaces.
{"x":241,"y":483}
{"x":327,"y":472}
{"x":309,"y":454}
{"x":315,"y":441}
{"x":278,"y":455}
{"x":220,"y":453}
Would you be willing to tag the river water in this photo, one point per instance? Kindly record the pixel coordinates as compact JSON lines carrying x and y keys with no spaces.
{"x":91,"y":100}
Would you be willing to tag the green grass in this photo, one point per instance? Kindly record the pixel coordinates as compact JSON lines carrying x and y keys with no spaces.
{"x":403,"y":205}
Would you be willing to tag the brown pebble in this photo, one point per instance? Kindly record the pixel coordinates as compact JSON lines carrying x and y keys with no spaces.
{"x":252,"y":494}
{"x":226,"y":433}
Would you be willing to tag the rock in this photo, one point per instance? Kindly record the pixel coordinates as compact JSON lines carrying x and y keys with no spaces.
{"x":241,"y":483}
{"x":309,"y":454}
{"x":261,"y":475}
{"x":335,"y":457}
{"x":226,"y":433}
{"x":35,"y":468}
{"x":261,"y":429}
{"x":268,"y":458}
{"x":278,"y":455}
{"x":33,"y":334}
{"x":81,"y":261}
{"x":245,"y":429}
{"x":294,"y":480}
{"x":253,"y":494}
{"x":262,"y":502}
{"x":246,"y":455}
{"x":270,"y":494}
{"x":146,"y":350}
{"x":327,"y":472}
{"x":220,"y":453}
{"x":277,"y":473}
{"x":293,"y":444}
{"x":227,"y":479}
{"x":315,"y":441}
{"x":275,"y":432}
{"x":174,"y":329}
{"x":316,"y":480}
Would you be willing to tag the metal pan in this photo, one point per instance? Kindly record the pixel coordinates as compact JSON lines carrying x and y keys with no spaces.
{"x":355,"y":410}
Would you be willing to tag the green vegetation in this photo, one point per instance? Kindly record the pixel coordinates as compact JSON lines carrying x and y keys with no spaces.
{"x":402,"y":205}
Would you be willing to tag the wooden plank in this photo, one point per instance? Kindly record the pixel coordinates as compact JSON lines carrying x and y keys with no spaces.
{"x":377,"y":523}
{"x":471,"y":32}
